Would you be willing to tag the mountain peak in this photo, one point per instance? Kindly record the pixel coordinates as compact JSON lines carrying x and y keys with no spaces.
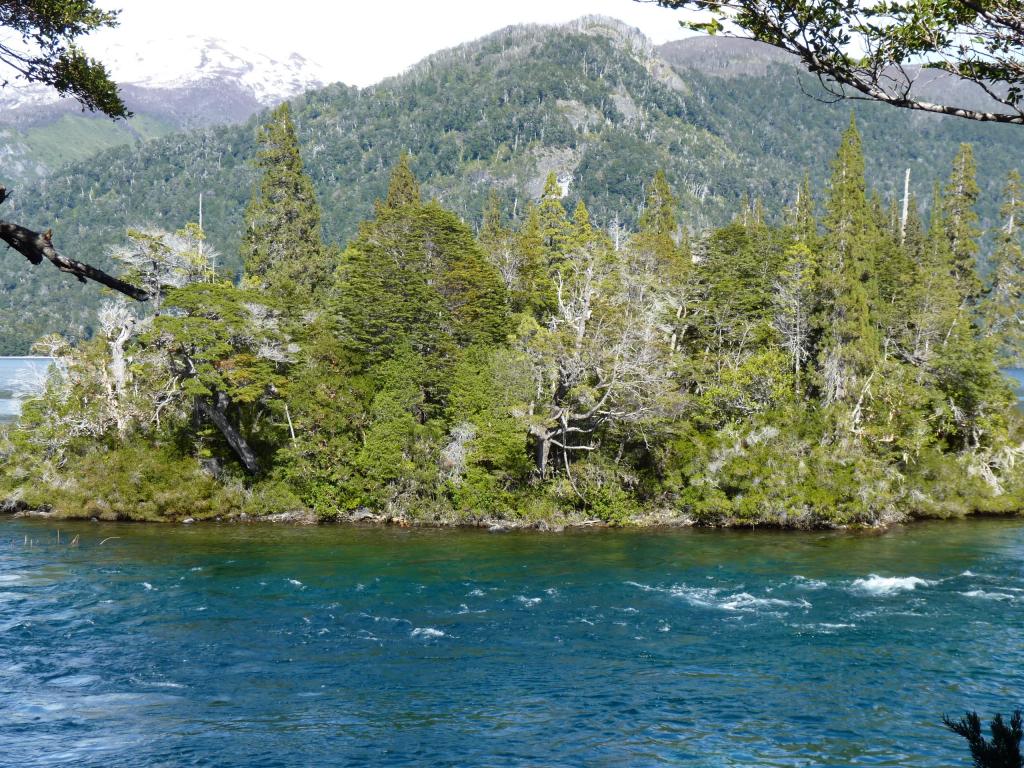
{"x":165,"y":64}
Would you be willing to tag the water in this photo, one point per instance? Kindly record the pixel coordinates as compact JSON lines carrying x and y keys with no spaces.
{"x":262,"y":646}
{"x":1017,"y":377}
{"x":20,"y":377}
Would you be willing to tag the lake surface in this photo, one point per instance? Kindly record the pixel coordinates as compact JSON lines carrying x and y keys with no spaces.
{"x":20,"y":377}
{"x":262,"y":646}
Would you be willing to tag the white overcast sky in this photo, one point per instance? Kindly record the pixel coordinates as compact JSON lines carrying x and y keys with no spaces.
{"x":364,"y":41}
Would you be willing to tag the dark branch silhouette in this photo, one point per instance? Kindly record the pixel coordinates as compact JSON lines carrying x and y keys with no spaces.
{"x":35,"y":246}
{"x":1003,"y":751}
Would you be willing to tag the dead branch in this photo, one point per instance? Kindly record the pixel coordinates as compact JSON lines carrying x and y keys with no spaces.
{"x":35,"y":246}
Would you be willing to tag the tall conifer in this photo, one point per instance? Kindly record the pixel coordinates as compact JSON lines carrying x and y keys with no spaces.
{"x":1001,"y":310}
{"x":282,"y":247}
{"x":959,"y":198}
{"x":848,"y":346}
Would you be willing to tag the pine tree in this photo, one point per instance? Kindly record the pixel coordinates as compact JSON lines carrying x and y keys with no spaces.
{"x":415,"y":278}
{"x":582,"y":231}
{"x":403,"y":188}
{"x":801,"y":217}
{"x":555,"y":228}
{"x":936,"y":295}
{"x":848,"y":347}
{"x":1001,"y":312}
{"x":282,"y":248}
{"x":960,"y":196}
{"x":537,"y":289}
{"x":658,"y":228}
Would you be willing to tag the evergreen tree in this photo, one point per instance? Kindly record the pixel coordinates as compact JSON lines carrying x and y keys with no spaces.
{"x":282,"y":248}
{"x":658,"y":228}
{"x":959,"y":199}
{"x":848,"y":346}
{"x":403,"y":188}
{"x":537,"y":287}
{"x":555,"y":228}
{"x":1001,"y":310}
{"x":416,"y":278}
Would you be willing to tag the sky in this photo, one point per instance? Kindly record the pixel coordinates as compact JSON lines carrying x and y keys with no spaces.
{"x":359,"y":42}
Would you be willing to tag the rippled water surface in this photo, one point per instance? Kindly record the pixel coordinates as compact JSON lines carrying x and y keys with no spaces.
{"x":261,"y":646}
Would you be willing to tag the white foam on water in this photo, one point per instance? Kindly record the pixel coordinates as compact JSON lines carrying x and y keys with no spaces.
{"x":889,"y":585}
{"x":197,"y":568}
{"x":528,"y":601}
{"x":147,"y":585}
{"x":805,"y":583}
{"x":982,"y":594}
{"x":712,"y":597}
{"x":477,"y":593}
{"x":428,"y":632}
{"x":968,"y":573}
{"x":551,"y":592}
{"x":295,"y":582}
{"x":744,"y":601}
{"x":664,"y":627}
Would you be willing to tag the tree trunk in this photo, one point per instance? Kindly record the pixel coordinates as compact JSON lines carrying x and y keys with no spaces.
{"x":215,"y":412}
{"x":541,"y":448}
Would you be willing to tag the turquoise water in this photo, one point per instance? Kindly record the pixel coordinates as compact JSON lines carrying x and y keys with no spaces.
{"x":262,"y":646}
{"x":19,"y":378}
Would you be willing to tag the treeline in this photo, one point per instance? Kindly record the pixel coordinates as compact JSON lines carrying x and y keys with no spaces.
{"x":839,"y":367}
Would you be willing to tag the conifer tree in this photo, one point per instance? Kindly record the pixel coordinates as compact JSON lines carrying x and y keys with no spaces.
{"x":801,"y":217}
{"x":582,"y":231}
{"x":282,"y":247}
{"x":848,"y":347}
{"x":499,"y":243}
{"x":959,"y":198}
{"x":937,"y":298}
{"x":403,"y":187}
{"x":537,"y":287}
{"x":658,"y":228}
{"x":416,"y":278}
{"x":555,"y":228}
{"x":1001,"y":311}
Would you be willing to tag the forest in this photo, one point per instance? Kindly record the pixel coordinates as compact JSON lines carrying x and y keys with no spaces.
{"x":833,"y":363}
{"x":591,"y":102}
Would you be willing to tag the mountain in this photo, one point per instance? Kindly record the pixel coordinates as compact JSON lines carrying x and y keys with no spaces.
{"x":593,"y":101}
{"x":186,"y":83}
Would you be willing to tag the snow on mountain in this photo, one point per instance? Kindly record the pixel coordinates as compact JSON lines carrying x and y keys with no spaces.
{"x":173,"y":63}
{"x":183,"y":63}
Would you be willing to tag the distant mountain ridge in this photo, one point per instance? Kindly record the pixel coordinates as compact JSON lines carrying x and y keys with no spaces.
{"x":194,"y":82}
{"x":593,"y":101}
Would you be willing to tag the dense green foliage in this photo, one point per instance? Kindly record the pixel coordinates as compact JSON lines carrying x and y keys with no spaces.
{"x":819,"y":371}
{"x":592,"y":102}
{"x":40,"y":45}
{"x":875,"y":48}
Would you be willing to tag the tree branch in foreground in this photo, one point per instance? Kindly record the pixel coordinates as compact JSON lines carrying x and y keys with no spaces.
{"x":35,"y":246}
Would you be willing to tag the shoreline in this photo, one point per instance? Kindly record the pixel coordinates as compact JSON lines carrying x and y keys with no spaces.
{"x":365,"y":519}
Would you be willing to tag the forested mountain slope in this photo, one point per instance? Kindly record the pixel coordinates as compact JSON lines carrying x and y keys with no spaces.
{"x":592,"y":101}
{"x":191,"y":83}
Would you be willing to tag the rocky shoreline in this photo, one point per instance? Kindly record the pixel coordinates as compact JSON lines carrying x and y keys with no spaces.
{"x":368,"y":519}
